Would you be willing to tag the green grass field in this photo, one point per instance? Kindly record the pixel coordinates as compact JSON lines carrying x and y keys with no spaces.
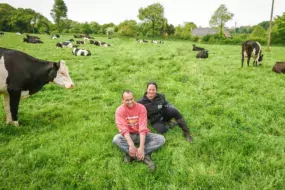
{"x":64,"y":141}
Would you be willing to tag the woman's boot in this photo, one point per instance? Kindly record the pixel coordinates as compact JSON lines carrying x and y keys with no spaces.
{"x":183,"y":125}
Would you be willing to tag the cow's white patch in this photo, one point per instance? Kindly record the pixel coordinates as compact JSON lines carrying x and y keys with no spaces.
{"x":25,"y":94}
{"x":62,"y":77}
{"x":3,"y":76}
{"x":245,"y":54}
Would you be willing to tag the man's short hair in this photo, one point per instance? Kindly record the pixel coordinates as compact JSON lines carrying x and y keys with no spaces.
{"x":126,"y":91}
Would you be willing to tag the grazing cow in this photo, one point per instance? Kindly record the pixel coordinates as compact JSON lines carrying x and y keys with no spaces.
{"x":203,"y":54}
{"x":33,"y":41}
{"x":279,"y":67}
{"x":32,"y":37}
{"x":64,"y":44}
{"x":251,"y":49}
{"x":80,"y":42}
{"x":1,"y":33}
{"x":196,"y":48}
{"x":80,"y":52}
{"x":35,"y":73}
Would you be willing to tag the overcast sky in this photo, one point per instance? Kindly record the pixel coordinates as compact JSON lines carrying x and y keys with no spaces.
{"x":246,"y":12}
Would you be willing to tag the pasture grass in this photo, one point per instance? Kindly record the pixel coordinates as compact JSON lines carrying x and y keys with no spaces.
{"x":64,"y":141}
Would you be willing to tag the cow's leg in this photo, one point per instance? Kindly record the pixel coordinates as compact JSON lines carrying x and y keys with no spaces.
{"x":15,"y":96}
{"x":242,"y":60}
{"x":6,"y":100}
{"x":248,"y":59}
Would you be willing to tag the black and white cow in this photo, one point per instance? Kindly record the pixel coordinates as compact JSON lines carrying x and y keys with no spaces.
{"x":279,"y":67}
{"x":1,"y":33}
{"x":203,"y":54}
{"x":32,"y":37}
{"x":196,"y":48}
{"x":34,"y":74}
{"x":81,"y":52}
{"x":33,"y":41}
{"x":80,"y":42}
{"x":251,"y":49}
{"x":157,"y":42}
{"x":102,"y":44}
{"x":64,"y":44}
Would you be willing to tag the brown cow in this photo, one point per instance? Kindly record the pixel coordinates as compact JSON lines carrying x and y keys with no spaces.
{"x":279,"y":67}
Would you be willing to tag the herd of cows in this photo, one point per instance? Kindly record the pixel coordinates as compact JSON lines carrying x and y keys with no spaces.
{"x":35,"y":73}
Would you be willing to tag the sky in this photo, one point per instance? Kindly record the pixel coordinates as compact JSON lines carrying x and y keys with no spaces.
{"x":246,"y":12}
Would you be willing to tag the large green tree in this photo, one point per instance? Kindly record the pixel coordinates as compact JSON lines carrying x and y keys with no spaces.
{"x":278,"y":30}
{"x":184,"y":31}
{"x":6,"y":11}
{"x":153,"y":14}
{"x":59,"y":14}
{"x":220,"y":17}
{"x":128,"y":28}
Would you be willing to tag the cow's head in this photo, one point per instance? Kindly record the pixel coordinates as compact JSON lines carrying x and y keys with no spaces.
{"x":62,"y":76}
{"x":59,"y":45}
{"x":88,"y":53}
{"x":260,"y":57}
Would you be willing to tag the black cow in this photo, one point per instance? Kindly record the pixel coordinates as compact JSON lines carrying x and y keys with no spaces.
{"x":196,"y":48}
{"x":104,"y":44}
{"x":32,"y":37}
{"x":33,"y":41}
{"x":71,"y":40}
{"x":203,"y":54}
{"x":1,"y":33}
{"x":80,"y":42}
{"x":279,"y":67}
{"x":35,"y":73}
{"x":251,"y":49}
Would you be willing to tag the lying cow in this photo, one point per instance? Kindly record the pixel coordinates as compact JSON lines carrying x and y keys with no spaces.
{"x":102,"y":44}
{"x":33,"y":41}
{"x":32,"y":37}
{"x":1,"y":33}
{"x":157,"y":42}
{"x":75,"y":36}
{"x":80,"y":42}
{"x":196,"y":48}
{"x":251,"y":49}
{"x":203,"y":54}
{"x":80,"y":52}
{"x":64,"y":44}
{"x":279,"y":67}
{"x":35,"y":73}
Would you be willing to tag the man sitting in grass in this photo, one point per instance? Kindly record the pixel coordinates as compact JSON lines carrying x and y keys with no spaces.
{"x":131,"y":120}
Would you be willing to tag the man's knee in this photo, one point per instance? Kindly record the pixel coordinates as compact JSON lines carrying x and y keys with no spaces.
{"x":117,"y":139}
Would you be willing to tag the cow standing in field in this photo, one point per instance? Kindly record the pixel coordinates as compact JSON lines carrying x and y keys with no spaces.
{"x":22,"y":75}
{"x":196,"y":48}
{"x":279,"y":67}
{"x":251,"y":49}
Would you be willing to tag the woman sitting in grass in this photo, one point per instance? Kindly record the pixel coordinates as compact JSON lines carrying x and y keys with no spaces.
{"x":160,"y":112}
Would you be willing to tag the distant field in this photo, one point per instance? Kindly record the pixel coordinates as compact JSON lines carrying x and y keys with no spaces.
{"x":236,"y":115}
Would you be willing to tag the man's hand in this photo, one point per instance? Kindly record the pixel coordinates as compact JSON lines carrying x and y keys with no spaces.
{"x":140,"y":153}
{"x":132,"y":150}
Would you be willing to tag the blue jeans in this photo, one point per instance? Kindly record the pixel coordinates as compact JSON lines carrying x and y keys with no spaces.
{"x":152,"y":142}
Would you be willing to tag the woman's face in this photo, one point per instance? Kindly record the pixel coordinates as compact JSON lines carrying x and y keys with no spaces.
{"x":151,"y":91}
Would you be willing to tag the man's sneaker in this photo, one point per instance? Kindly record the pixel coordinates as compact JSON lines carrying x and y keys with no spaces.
{"x":147,"y":160}
{"x":128,"y":158}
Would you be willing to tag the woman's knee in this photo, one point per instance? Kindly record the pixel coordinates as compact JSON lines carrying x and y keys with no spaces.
{"x":160,"y":128}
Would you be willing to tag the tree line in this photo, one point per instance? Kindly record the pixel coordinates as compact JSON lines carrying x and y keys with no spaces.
{"x":152,"y":23}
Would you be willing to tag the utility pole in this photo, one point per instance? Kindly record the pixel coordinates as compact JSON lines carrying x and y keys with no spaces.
{"x":270,"y":26}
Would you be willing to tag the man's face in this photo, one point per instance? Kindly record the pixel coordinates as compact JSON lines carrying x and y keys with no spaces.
{"x":128,"y":100}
